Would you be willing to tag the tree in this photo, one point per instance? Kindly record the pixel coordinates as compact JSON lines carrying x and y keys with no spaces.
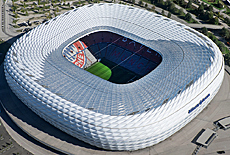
{"x":181,"y":12}
{"x":221,"y":46}
{"x":146,"y":5}
{"x":14,"y":7}
{"x":133,"y":1}
{"x":14,"y":21}
{"x":182,"y":3}
{"x":210,"y":8}
{"x":201,"y":9}
{"x":163,"y":12}
{"x":168,"y":3}
{"x":216,"y":21}
{"x":172,"y":7}
{"x":160,"y":2}
{"x":227,"y":20}
{"x":227,"y":59}
{"x":140,"y":3}
{"x":16,"y":15}
{"x":220,"y":4}
{"x":218,"y":14}
{"x":37,"y":8}
{"x":225,"y":33}
{"x":49,"y":16}
{"x":210,"y":15}
{"x":153,"y":7}
{"x":212,"y":37}
{"x":169,"y":15}
{"x":151,"y":1}
{"x":188,"y":17}
{"x":189,"y":4}
{"x":204,"y":30}
{"x":27,"y":13}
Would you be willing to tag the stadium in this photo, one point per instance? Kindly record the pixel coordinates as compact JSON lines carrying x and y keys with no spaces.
{"x":115,"y":76}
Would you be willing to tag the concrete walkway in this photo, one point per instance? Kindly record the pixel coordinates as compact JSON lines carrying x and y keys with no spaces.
{"x":208,"y":26}
{"x":2,"y":19}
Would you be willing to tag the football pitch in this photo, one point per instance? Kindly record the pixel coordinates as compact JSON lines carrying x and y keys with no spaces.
{"x":100,"y":70}
{"x":112,"y":72}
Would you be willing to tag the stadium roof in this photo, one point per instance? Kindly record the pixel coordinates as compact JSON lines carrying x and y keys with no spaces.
{"x":186,"y":55}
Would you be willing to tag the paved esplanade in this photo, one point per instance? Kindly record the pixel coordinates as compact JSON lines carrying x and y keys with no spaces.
{"x":179,"y":143}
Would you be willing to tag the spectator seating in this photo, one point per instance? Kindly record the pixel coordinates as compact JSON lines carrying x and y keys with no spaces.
{"x":122,"y":51}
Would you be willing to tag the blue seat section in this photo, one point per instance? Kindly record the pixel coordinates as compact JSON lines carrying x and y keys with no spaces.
{"x":72,"y":47}
{"x":115,"y":55}
{"x":67,"y":53}
{"x":124,"y":57}
{"x":140,"y":66}
{"x":95,"y":51}
{"x":149,"y":67}
{"x":102,"y":48}
{"x":123,"y":51}
{"x":131,"y":63}
{"x":110,"y":49}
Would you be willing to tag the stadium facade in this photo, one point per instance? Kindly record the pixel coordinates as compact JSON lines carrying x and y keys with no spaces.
{"x":108,"y":115}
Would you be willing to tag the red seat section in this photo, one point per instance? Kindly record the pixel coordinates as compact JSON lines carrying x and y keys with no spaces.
{"x":88,"y":40}
{"x":106,"y":36}
{"x":151,"y":55}
{"x":133,"y":46}
{"x":97,"y":38}
{"x":78,"y":46}
{"x":115,"y":38}
{"x":123,"y":42}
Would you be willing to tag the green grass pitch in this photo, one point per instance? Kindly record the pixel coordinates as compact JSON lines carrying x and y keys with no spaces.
{"x":100,"y":70}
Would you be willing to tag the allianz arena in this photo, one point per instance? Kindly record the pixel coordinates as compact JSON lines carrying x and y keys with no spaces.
{"x":179,"y":72}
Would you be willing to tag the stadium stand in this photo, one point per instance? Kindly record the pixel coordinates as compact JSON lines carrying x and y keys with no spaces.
{"x":122,"y":51}
{"x":78,"y":54}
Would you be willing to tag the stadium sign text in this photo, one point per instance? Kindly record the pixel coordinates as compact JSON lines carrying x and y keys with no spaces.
{"x":80,"y":59}
{"x":201,"y":101}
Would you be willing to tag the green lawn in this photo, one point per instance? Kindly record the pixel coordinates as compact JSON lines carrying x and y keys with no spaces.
{"x":120,"y":75}
{"x":100,"y":70}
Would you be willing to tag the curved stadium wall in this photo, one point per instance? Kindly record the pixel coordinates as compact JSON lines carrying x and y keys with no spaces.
{"x":124,"y":116}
